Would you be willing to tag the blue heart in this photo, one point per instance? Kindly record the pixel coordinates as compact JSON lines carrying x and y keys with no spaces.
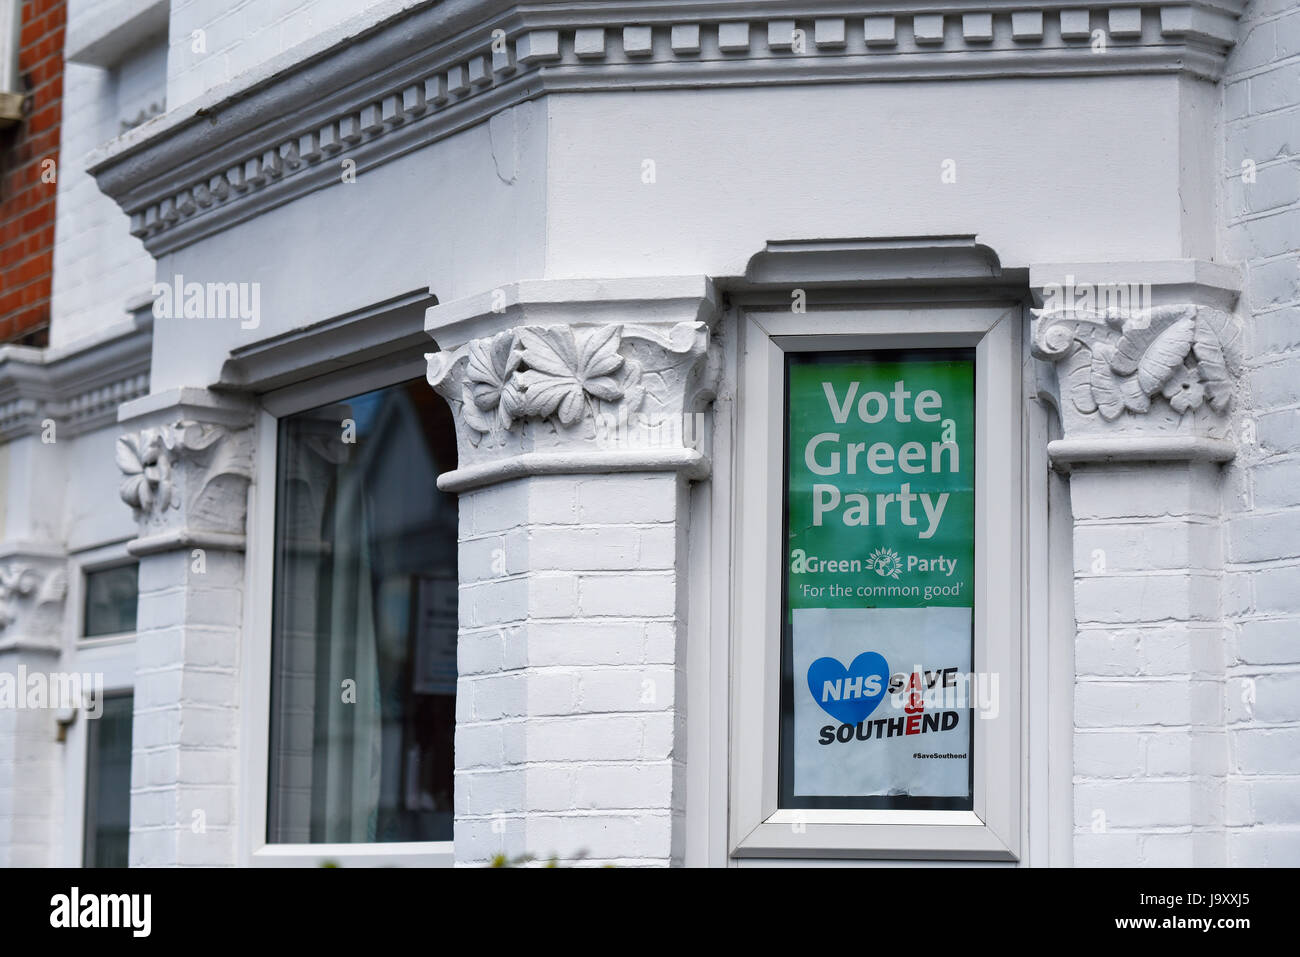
{"x":849,"y":710}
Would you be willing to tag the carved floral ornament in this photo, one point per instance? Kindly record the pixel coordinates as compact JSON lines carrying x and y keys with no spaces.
{"x":1116,"y":362}
{"x":20,"y":582}
{"x":561,"y":374}
{"x":148,"y":457}
{"x":189,"y":477}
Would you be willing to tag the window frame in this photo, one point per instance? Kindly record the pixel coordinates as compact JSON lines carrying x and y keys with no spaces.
{"x":758,"y":828}
{"x":88,"y":775}
{"x":259,"y":573}
{"x":83,"y":571}
{"x":113,"y":656}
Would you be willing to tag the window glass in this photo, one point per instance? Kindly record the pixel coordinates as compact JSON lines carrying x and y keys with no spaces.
{"x":111,"y":595}
{"x":878,"y":639}
{"x":108,"y":784}
{"x":363,"y":692}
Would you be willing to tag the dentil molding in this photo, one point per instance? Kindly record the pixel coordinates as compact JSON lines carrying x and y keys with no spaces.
{"x":602,"y":393}
{"x":80,"y":387}
{"x":374,"y":91}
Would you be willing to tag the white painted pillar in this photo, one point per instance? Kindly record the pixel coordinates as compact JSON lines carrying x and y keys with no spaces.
{"x":33,"y":587}
{"x":575,"y":408}
{"x":187,"y":461}
{"x":1145,"y":396}
{"x":1149,"y":747}
{"x":33,"y":584}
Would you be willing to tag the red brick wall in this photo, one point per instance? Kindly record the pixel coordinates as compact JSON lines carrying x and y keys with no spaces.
{"x":27,"y":203}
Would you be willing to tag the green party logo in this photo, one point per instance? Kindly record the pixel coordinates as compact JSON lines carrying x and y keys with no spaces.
{"x":886,"y":563}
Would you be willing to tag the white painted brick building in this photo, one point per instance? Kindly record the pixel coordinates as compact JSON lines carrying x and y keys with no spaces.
{"x":369,"y":563}
{"x":1261,"y":550}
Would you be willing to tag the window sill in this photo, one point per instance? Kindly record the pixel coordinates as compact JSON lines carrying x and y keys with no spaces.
{"x":889,"y":835}
{"x":410,"y":854}
{"x":103,"y":641}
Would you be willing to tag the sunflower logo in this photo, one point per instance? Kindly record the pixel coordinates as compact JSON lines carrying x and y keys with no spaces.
{"x":886,"y":563}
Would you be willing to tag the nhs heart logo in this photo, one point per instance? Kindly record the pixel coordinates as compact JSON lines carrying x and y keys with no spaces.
{"x":849,"y":695}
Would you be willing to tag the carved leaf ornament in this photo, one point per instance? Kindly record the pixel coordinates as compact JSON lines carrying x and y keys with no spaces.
{"x":562,"y":373}
{"x":1186,"y":353}
{"x":16,"y":581}
{"x":492,"y":398}
{"x":544,"y":372}
{"x":147,"y":458}
{"x":21,"y":581}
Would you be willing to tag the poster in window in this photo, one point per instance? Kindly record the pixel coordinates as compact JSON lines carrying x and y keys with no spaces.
{"x":877,"y":647}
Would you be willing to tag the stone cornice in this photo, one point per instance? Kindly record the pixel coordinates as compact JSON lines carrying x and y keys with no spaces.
{"x":1066,"y":453}
{"x":432,"y":71}
{"x":1145,"y":371}
{"x":855,"y":264}
{"x":619,"y":386}
{"x":79,"y":388}
{"x":547,"y":302}
{"x":340,"y":342}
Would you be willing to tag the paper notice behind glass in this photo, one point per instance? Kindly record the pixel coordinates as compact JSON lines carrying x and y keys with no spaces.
{"x":837,"y":651}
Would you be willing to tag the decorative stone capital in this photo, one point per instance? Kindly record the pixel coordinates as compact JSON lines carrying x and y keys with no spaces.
{"x":32,"y":591}
{"x":1143,"y":381}
{"x":186,"y":479}
{"x":602,"y":393}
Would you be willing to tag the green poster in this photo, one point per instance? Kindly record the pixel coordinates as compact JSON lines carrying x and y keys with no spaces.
{"x":879,"y":579}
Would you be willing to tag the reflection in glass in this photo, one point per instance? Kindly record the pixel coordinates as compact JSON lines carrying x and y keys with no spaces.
{"x":363,"y":690}
{"x":110,"y":600}
{"x":108,"y":784}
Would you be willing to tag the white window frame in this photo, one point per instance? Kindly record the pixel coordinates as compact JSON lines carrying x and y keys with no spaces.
{"x":758,"y":828}
{"x":99,"y":560}
{"x":113,"y":656}
{"x":255,"y":719}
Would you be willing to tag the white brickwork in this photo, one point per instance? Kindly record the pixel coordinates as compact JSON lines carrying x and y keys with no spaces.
{"x":1149,"y":749}
{"x":569,"y":736}
{"x":214,"y":41}
{"x":1262,"y":547}
{"x":186,"y":727}
{"x":30,"y":774}
{"x":98,"y":265}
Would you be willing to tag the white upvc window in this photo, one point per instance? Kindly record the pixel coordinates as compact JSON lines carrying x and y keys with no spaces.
{"x":99,"y":644}
{"x":350,"y":627}
{"x":772,"y":812}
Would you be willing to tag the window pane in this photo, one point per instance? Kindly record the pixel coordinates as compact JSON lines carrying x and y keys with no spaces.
{"x":110,"y":600}
{"x":108,"y":784}
{"x":363,"y":693}
{"x":878,"y":640}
